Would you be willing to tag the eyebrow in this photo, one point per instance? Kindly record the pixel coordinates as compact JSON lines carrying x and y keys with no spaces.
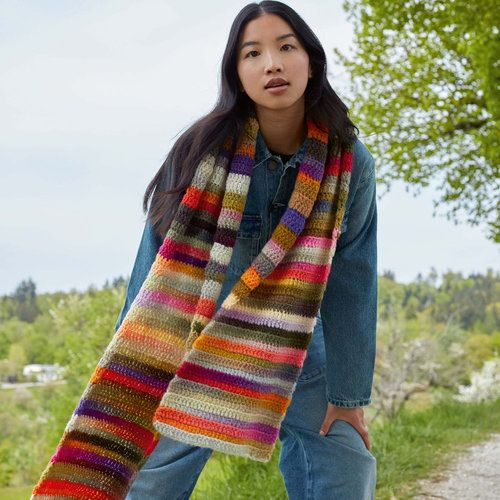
{"x":252,"y":42}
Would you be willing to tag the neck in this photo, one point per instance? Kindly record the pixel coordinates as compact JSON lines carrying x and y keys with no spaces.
{"x":283,"y":131}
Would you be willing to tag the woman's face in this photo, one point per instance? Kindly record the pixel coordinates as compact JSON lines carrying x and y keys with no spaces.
{"x":272,"y":55}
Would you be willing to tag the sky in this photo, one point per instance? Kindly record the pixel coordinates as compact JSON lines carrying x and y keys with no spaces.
{"x":92,"y":97}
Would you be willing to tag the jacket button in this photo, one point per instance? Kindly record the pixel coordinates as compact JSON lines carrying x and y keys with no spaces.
{"x":272,"y":164}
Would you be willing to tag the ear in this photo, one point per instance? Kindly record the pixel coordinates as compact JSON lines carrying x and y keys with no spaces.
{"x":310,"y":71}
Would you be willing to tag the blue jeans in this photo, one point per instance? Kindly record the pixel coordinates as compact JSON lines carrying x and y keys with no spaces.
{"x":337,"y":466}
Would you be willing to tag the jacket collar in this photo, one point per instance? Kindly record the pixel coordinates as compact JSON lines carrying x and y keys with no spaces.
{"x":263,"y":154}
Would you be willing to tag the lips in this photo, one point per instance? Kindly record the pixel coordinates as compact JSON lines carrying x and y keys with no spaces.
{"x":276,"y":82}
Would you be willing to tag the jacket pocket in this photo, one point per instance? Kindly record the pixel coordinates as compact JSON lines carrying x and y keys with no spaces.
{"x":246,"y":247}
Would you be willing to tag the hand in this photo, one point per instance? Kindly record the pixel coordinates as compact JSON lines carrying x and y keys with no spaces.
{"x":355,"y":416}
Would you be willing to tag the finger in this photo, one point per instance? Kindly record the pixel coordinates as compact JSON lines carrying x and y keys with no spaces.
{"x":325,"y":426}
{"x":366,"y":438}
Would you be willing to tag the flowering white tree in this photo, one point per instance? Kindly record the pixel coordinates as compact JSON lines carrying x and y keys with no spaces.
{"x":403,"y":368}
{"x":485,"y":384}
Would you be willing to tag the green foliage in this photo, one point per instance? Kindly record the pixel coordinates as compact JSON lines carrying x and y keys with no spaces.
{"x":424,"y":79}
{"x":23,"y":446}
{"x":478,"y":348}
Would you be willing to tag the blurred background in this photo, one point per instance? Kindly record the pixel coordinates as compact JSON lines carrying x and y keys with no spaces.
{"x":92,"y":97}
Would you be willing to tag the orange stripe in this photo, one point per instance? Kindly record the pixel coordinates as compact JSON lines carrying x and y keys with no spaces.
{"x":250,"y":351}
{"x":204,"y":427}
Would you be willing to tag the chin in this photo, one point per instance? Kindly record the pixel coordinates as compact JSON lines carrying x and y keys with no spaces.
{"x":281,"y":104}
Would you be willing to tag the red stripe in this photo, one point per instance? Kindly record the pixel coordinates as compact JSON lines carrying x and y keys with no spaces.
{"x":108,"y":374}
{"x":297,"y":273}
{"x":210,"y":207}
{"x":70,"y":489}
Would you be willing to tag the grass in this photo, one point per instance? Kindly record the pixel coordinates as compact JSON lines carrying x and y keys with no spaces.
{"x":20,"y":493}
{"x":237,"y":478}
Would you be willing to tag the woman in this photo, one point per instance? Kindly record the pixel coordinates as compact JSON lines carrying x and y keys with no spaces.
{"x":273,"y":70}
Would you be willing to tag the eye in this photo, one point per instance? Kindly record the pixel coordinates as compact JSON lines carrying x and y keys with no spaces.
{"x":286,"y":45}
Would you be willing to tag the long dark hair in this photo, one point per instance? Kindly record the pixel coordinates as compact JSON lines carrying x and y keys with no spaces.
{"x":227,"y":118}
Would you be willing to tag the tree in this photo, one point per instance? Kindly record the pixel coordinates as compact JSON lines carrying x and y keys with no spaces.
{"x":25,"y":298}
{"x":424,"y":78}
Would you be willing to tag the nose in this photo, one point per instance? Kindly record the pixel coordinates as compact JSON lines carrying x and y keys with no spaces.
{"x":273,"y":62}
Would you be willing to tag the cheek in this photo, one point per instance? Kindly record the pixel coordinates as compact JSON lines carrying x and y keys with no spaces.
{"x":243,"y":74}
{"x":249,"y":80}
{"x":302,"y":72}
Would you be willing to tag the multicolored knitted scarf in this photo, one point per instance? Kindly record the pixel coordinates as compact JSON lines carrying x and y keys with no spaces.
{"x":177,"y":367}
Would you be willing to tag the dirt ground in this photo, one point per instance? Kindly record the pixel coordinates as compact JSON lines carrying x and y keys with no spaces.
{"x":473,"y":474}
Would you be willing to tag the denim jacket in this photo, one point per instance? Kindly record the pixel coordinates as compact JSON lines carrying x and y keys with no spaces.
{"x":346,"y":323}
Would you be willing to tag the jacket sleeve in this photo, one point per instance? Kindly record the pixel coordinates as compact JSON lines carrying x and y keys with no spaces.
{"x":349,"y":306}
{"x":145,"y":257}
{"x":148,"y":248}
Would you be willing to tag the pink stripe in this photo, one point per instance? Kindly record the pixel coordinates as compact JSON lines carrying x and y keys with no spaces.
{"x":231,"y":214}
{"x":274,"y":251}
{"x":306,"y":266}
{"x":312,"y":241}
{"x":169,"y":247}
{"x":146,"y":297}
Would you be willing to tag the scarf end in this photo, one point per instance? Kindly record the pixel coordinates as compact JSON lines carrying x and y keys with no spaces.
{"x":259,"y":454}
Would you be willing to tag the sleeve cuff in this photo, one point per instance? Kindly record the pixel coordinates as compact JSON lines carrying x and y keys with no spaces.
{"x":353,"y":403}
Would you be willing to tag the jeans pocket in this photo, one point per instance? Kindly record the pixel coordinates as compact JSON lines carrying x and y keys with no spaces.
{"x":348,"y":435}
{"x":246,"y":247}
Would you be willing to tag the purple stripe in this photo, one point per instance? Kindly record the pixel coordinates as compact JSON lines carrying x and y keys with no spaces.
{"x":294,"y":220}
{"x":125,"y":370}
{"x":93,"y":405}
{"x":228,"y":379}
{"x":242,"y":164}
{"x":313,"y":168}
{"x":139,"y":430}
{"x":323,"y":206}
{"x":66,"y":452}
{"x":255,"y":426}
{"x":189,"y":259}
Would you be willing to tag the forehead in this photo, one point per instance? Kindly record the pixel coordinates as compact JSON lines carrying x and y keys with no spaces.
{"x":268,"y":27}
